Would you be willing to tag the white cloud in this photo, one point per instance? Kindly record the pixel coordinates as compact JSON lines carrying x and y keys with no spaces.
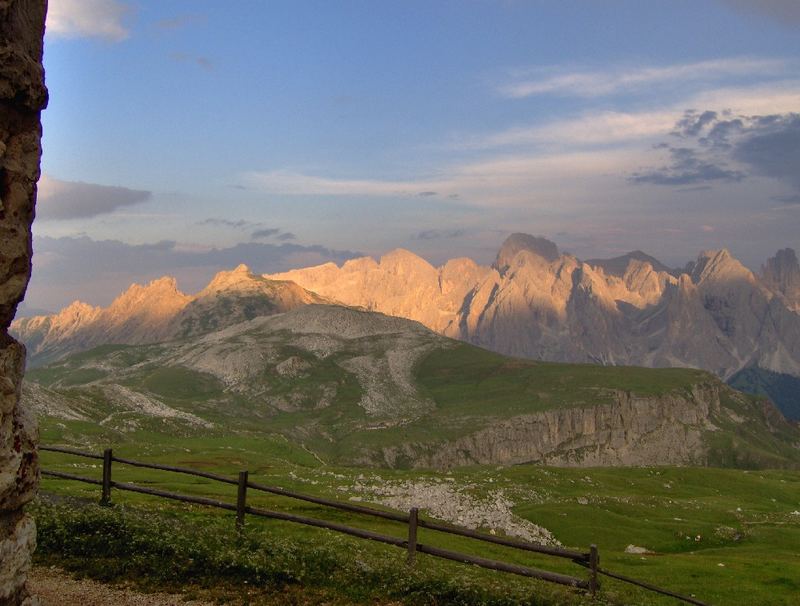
{"x":603,"y":127}
{"x":496,"y":181}
{"x":600,"y":83}
{"x":87,"y":19}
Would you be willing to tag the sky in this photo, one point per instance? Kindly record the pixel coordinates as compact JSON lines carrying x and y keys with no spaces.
{"x":185,"y":137}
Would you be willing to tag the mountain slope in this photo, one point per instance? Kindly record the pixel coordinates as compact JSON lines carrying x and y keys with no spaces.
{"x":362,"y":388}
{"x":158,"y":311}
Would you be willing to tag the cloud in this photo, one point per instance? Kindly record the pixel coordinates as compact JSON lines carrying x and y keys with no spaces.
{"x":599,"y":83}
{"x":493,"y":181}
{"x":605,"y":127}
{"x":287,"y":236}
{"x":60,"y":200}
{"x":264,"y":233}
{"x":87,"y":19}
{"x":794,"y":199}
{"x":757,"y":145}
{"x":686,"y":168}
{"x":786,"y":12}
{"x":771,"y":147}
{"x":427,"y":194}
{"x":69,"y":268}
{"x":238,"y":224}
{"x":437,"y":234}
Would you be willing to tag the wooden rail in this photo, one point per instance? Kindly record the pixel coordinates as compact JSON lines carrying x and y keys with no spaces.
{"x":589,"y":560}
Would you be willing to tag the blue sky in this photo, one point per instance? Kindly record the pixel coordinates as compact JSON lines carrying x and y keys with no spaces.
{"x":181,"y":135}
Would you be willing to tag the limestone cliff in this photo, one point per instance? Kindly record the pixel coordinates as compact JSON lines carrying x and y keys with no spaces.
{"x":665,"y":430}
{"x":22,"y":97}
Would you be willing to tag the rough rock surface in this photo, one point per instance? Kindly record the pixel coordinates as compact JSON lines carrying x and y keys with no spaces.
{"x":22,"y":97}
{"x":667,"y":430}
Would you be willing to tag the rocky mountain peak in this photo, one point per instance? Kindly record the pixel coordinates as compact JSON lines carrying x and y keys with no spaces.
{"x":77,"y":308}
{"x":540,"y":247}
{"x":718,"y":266}
{"x":781,"y":274}
{"x":618,"y":266}
{"x":227,"y":279}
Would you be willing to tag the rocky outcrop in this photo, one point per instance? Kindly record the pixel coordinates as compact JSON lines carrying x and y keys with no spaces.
{"x":665,"y":430}
{"x":22,"y":97}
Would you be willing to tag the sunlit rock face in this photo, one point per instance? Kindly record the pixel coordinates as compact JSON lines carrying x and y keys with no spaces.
{"x":536,"y":302}
{"x":158,"y":311}
{"x":22,"y":97}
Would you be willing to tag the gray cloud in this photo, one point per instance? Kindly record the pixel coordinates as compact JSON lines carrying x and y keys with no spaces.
{"x":438,"y":234}
{"x":287,"y":236}
{"x":69,"y":268}
{"x":260,"y":234}
{"x":786,"y":12}
{"x":795,"y":199}
{"x":710,"y":142}
{"x":238,"y":224}
{"x":427,"y":194}
{"x":686,"y":168}
{"x":772,"y":148}
{"x":59,"y":200}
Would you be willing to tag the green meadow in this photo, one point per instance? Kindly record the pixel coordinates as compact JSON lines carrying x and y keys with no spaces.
{"x":727,"y":536}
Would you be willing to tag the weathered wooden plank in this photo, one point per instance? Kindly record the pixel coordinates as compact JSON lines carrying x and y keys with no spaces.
{"x":524,"y":571}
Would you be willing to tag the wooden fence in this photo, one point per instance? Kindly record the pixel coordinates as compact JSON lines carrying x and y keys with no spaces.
{"x":589,"y":560}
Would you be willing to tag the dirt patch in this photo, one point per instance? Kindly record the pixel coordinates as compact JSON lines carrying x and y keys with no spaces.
{"x":54,"y":587}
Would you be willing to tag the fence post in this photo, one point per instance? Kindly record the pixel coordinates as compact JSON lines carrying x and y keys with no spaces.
{"x":105,"y":499}
{"x":241,"y":500}
{"x":413,"y":518}
{"x":594,"y":561}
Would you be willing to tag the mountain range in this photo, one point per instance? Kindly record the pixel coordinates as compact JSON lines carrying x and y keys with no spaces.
{"x":534,"y":301}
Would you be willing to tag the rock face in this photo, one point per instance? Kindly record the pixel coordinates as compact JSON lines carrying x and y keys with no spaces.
{"x":781,"y":274}
{"x":534,"y":302}
{"x":157,"y":312}
{"x":22,"y":97}
{"x":667,"y":430}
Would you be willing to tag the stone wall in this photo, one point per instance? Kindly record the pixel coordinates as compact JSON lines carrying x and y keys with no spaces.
{"x":22,"y":97}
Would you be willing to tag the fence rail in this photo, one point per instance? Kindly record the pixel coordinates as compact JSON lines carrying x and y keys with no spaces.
{"x":589,"y":560}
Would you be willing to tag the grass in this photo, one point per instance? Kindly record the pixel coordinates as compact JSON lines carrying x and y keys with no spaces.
{"x":164,"y":549}
{"x":692,"y":520}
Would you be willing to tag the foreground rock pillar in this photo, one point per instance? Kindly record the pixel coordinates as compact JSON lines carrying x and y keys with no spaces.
{"x":22,"y":97}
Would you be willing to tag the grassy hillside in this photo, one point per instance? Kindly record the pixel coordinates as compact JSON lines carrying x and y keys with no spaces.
{"x":385,"y":391}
